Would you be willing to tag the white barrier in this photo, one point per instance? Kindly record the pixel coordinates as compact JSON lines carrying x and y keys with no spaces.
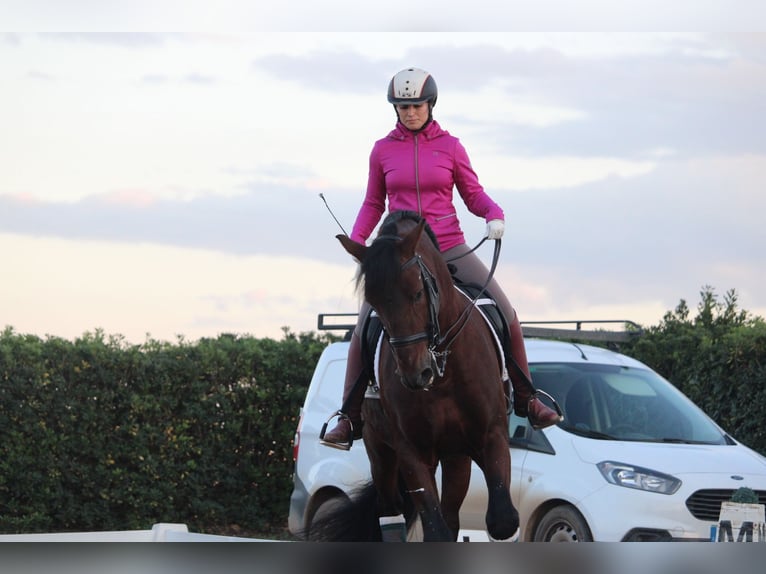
{"x":161,"y":532}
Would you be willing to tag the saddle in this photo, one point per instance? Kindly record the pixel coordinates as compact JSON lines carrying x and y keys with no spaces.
{"x":372,"y":329}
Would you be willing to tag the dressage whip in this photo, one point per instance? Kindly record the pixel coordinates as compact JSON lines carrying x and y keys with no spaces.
{"x":333,"y":215}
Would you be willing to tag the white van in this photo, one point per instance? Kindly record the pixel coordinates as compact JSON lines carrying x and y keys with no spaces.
{"x":633,"y":460}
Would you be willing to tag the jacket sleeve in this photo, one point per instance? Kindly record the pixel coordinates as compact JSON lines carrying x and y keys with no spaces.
{"x":374,"y":203}
{"x":467,"y":182}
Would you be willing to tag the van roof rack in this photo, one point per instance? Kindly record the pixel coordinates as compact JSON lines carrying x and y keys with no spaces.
{"x":631,"y":329}
{"x":334,"y":321}
{"x":534,"y":329}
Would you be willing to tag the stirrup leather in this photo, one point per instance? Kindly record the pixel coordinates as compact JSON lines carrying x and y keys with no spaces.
{"x":343,"y":445}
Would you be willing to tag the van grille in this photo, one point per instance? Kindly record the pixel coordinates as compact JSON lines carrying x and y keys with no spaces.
{"x":706,"y":504}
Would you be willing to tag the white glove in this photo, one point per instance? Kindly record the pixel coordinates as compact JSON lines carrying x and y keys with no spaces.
{"x":495,"y":229}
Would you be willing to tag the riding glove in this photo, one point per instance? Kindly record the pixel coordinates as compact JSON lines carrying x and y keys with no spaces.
{"x":495,"y":228}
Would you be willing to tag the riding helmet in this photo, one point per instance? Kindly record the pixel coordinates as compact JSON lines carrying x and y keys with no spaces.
{"x":412,"y":86}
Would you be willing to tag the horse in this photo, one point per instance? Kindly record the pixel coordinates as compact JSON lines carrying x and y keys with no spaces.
{"x":441,"y":396}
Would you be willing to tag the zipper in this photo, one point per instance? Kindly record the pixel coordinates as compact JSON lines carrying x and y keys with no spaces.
{"x":417,"y":177}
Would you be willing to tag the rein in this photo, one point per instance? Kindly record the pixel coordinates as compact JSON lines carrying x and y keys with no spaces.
{"x":462,"y":320}
{"x":479,"y":244}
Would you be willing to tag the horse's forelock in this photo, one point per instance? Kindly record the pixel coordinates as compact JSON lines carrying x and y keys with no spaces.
{"x":381,"y":266}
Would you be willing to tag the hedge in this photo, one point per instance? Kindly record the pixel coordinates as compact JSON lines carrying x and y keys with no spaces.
{"x":98,"y":434}
{"x":101,"y":435}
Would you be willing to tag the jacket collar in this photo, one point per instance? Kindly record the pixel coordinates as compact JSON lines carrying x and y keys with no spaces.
{"x":432,"y":130}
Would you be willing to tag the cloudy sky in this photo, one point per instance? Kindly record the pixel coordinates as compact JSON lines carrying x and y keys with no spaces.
{"x":167,"y":184}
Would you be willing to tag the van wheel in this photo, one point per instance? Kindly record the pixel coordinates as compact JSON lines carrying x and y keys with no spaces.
{"x":563,"y":524}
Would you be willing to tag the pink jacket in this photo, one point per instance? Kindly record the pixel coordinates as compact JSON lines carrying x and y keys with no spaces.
{"x":418,"y":172}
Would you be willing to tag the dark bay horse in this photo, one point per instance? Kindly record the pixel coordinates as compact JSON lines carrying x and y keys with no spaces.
{"x":441,"y":392}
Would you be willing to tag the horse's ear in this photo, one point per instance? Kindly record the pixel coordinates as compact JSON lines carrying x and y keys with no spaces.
{"x":353,"y":248}
{"x":410,"y":241}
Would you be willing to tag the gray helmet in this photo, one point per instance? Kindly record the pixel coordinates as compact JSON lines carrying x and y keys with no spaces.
{"x":412,"y":86}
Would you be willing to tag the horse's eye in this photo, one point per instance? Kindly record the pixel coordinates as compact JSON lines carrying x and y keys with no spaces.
{"x":418,"y":296}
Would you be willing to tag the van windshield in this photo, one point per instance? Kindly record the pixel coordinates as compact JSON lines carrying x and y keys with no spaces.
{"x":623,"y":403}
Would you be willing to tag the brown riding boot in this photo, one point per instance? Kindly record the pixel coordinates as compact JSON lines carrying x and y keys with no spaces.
{"x":539,"y":415}
{"x":525,"y":401}
{"x":349,"y":425}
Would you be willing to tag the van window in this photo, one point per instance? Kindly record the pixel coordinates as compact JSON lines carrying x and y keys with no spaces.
{"x":612,"y":402}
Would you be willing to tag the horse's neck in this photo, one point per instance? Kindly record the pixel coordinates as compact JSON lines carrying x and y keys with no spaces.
{"x":451,"y":304}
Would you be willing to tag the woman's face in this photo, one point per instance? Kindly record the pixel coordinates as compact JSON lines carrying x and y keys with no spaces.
{"x":413,"y":116}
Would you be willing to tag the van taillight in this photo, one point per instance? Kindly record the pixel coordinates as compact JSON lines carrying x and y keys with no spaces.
{"x":297,"y":438}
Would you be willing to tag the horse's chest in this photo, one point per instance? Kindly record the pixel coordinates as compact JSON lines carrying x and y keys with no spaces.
{"x":428,"y":418}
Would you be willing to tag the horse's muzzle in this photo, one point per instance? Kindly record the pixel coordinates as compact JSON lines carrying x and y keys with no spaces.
{"x":416,"y":380}
{"x":416,"y":365}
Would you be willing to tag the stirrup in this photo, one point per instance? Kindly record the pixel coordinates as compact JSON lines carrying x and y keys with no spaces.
{"x":555,"y":405}
{"x":341,"y":446}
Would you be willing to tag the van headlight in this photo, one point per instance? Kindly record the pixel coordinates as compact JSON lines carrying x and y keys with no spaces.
{"x":637,"y":477}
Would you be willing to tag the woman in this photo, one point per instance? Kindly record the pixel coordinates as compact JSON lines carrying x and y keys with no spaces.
{"x":416,"y":167}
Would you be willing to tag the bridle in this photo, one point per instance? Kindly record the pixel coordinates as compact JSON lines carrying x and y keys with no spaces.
{"x":432,"y":333}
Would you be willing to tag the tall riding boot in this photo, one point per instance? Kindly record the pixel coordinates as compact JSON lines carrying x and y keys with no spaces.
{"x":349,"y":425}
{"x":525,"y":401}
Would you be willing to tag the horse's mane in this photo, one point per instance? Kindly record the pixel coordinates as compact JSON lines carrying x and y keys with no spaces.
{"x":381,"y":265}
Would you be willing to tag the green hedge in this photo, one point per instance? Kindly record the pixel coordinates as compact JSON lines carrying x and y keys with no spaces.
{"x":100,"y":435}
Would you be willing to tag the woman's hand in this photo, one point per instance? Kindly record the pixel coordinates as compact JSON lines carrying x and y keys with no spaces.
{"x":495,"y":228}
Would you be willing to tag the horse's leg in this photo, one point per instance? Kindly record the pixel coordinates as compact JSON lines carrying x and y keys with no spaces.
{"x":421,"y":487}
{"x":390,"y":505}
{"x":502,"y":517}
{"x":456,"y":474}
{"x":384,"y":468}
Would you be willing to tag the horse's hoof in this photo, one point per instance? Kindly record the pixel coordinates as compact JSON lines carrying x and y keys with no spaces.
{"x":513,"y":538}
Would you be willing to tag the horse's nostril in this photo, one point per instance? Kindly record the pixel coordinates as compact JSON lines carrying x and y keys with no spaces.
{"x":427,"y":377}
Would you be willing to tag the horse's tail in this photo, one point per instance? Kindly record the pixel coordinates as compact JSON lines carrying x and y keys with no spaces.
{"x":355,"y":519}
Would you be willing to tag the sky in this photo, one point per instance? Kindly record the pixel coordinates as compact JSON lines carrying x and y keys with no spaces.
{"x":160,"y":184}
